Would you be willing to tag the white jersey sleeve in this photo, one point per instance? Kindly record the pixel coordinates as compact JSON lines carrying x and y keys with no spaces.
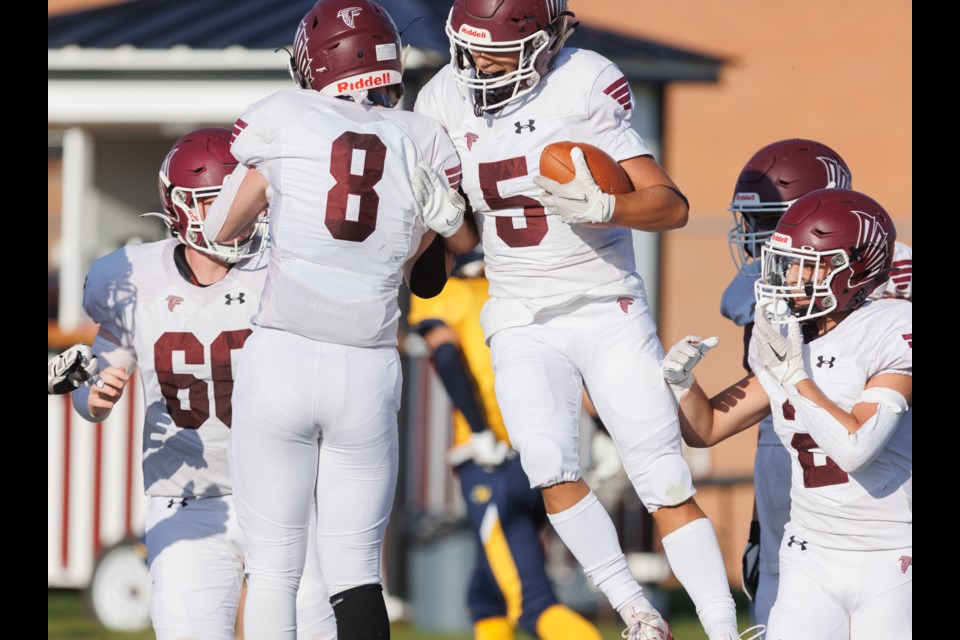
{"x":609,"y":109}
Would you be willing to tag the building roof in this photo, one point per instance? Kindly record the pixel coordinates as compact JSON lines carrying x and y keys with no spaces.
{"x":267,"y":24}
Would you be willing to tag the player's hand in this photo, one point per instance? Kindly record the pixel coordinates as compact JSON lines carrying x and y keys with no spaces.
{"x":72,"y":368}
{"x":781,"y":355}
{"x":677,"y":366}
{"x":487,"y":450}
{"x":751,"y":562}
{"x":102,"y":399}
{"x":579,"y":200}
{"x":440,"y":206}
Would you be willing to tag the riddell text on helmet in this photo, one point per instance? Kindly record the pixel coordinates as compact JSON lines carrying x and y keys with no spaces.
{"x":365,"y":83}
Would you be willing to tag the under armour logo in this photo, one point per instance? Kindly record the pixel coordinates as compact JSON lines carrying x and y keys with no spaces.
{"x":347,"y":15}
{"x":801,"y":543}
{"x":521,"y":127}
{"x":173,"y":301}
{"x":471,"y":138}
{"x":625,"y":303}
{"x":905,"y":563}
{"x":182,"y":502}
{"x":821,"y":361}
{"x":237,"y":298}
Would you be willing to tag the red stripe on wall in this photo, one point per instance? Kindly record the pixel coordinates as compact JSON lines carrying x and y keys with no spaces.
{"x":131,"y":456}
{"x":97,"y":487}
{"x":65,"y":505}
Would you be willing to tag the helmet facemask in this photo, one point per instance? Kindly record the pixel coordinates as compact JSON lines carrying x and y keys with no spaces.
{"x":535,"y":56}
{"x":804,"y":279}
{"x":186,"y":223}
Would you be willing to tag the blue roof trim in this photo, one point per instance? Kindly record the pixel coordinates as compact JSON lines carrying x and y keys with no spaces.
{"x":267,"y":24}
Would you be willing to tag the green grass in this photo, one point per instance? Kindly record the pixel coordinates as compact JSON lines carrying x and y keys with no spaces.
{"x":67,"y":619}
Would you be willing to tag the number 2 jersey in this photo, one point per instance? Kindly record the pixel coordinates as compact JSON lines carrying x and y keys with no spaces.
{"x":343,"y":220}
{"x":184,"y":339}
{"x":870,"y":509}
{"x":585,"y":98}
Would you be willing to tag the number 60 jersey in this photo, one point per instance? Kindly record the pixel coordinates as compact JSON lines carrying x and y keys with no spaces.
{"x":184,"y":340}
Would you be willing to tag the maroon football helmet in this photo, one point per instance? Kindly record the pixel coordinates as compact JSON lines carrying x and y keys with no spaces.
{"x":535,"y":29}
{"x":830,"y":250}
{"x":770,"y":182}
{"x":346,"y":48}
{"x":192,"y":175}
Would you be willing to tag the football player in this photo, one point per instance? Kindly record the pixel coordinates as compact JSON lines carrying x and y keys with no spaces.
{"x":357,"y":190}
{"x":775,"y":177}
{"x":567,"y":307}
{"x":509,"y":586}
{"x":179,"y":310}
{"x":834,"y":370}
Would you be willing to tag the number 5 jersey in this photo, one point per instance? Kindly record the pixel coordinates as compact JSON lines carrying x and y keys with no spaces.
{"x":184,"y":339}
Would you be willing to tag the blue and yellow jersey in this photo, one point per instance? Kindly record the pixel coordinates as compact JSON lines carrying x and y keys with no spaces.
{"x":458,"y":306}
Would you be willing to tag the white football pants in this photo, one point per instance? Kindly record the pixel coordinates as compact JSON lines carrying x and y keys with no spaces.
{"x":292,"y":392}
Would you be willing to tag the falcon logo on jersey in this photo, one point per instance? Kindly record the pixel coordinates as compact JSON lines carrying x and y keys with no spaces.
{"x":800,"y":543}
{"x":471,"y":138}
{"x":173,"y":301}
{"x":905,"y":563}
{"x":521,"y":127}
{"x":237,"y":298}
{"x":909,"y":338}
{"x":348,"y":14}
{"x":821,"y":361}
{"x":625,"y":303}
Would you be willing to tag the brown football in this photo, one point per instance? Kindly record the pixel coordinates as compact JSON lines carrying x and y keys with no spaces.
{"x":555,"y":163}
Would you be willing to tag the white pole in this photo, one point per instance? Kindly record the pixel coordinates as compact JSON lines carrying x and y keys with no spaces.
{"x":75,"y":219}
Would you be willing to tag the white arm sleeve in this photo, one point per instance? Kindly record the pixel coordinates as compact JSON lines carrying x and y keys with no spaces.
{"x":217,"y":214}
{"x":853,"y":451}
{"x":110,"y":355}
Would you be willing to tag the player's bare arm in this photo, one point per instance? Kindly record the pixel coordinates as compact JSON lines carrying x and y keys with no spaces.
{"x":705,"y":422}
{"x":101,"y":400}
{"x":862,"y":412}
{"x":655,"y":204}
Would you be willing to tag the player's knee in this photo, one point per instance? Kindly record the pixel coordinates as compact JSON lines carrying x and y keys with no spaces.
{"x":544,"y":461}
{"x":667,"y":482}
{"x":361,"y":613}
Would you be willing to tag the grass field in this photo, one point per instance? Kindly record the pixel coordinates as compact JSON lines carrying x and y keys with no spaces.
{"x":67,"y":619}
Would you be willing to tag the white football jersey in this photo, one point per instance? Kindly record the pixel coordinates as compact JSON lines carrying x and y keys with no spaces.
{"x":184,"y":339}
{"x":872,"y":508}
{"x":586,"y":98}
{"x":342,"y":213}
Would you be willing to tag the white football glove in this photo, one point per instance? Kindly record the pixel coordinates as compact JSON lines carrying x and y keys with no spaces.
{"x":579,"y":200}
{"x":677,"y":366}
{"x":440,"y":206}
{"x":604,"y":459}
{"x":72,"y":368}
{"x":487,"y":450}
{"x":781,"y":355}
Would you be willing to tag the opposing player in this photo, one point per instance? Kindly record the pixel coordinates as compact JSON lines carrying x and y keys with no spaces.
{"x":356,"y":190}
{"x":567,"y":307}
{"x":179,"y":310}
{"x":509,"y":586}
{"x":834,"y":369}
{"x":774,"y":177}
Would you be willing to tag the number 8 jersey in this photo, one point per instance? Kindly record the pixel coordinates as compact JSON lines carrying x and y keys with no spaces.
{"x":184,"y":340}
{"x":343,"y":220}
